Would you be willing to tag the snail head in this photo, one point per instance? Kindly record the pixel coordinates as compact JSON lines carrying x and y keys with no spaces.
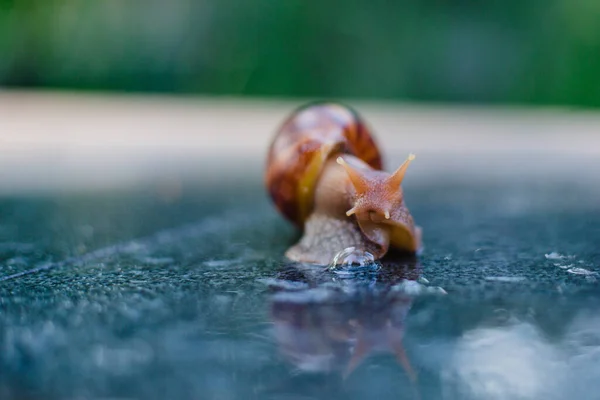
{"x":378,"y":195}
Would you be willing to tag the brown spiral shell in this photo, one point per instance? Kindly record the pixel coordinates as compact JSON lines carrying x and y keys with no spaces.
{"x":310,"y":136}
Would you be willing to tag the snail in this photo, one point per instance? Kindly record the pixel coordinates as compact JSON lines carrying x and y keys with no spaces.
{"x":324,"y":174}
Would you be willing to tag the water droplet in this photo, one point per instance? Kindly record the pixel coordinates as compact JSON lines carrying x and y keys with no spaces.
{"x":414,"y":288}
{"x":438,"y":289}
{"x":280,"y":284}
{"x":351,"y":258}
{"x":557,"y":256}
{"x":580,"y":271}
{"x":564,"y":266}
{"x":506,"y":279}
{"x":554,"y":256}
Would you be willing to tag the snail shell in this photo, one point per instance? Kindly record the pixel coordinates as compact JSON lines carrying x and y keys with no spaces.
{"x":302,"y":146}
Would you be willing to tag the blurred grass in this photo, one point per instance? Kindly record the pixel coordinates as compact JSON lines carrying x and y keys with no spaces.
{"x":512,"y":51}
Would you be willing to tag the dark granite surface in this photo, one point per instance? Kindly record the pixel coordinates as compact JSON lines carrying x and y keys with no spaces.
{"x":144,"y":294}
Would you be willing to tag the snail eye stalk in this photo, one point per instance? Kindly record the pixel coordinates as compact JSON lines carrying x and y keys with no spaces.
{"x":359,"y":181}
{"x":397,"y":177}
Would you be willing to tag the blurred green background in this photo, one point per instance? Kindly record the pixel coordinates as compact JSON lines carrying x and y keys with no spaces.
{"x":476,"y":51}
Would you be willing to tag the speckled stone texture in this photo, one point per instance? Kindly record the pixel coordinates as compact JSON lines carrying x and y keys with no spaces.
{"x":142,"y":297}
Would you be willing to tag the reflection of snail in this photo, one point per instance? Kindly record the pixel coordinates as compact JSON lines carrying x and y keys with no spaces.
{"x":324,"y":174}
{"x":324,"y":329}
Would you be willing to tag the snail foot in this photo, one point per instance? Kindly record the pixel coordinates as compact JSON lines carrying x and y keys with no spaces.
{"x":325,"y":236}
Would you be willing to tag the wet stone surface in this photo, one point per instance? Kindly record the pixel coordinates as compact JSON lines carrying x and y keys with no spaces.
{"x":145,"y":297}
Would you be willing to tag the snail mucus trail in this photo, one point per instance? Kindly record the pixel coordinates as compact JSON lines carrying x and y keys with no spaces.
{"x":324,"y":174}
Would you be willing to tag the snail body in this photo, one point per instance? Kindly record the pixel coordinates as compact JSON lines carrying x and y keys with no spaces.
{"x":324,"y":174}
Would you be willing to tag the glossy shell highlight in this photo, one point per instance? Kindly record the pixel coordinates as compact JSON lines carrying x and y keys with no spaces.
{"x":305,"y":141}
